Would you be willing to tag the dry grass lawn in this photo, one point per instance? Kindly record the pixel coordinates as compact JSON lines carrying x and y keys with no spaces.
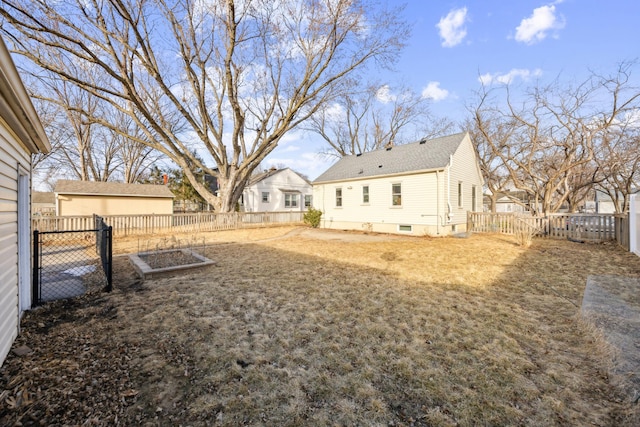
{"x":288,"y":329}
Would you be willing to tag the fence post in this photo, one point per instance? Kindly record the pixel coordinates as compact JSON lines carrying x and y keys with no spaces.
{"x":35,"y":291}
{"x":109,"y":272}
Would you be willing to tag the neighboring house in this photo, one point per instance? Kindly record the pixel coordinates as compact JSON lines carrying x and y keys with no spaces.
{"x":509,"y":201}
{"x":426,"y":187}
{"x":111,"y":198}
{"x":43,"y":203}
{"x":21,"y":135}
{"x":277,"y":190}
{"x":604,"y":204}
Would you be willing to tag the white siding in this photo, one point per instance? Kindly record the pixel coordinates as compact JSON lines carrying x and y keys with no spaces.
{"x":420,"y":207}
{"x":464,"y":169}
{"x":12,"y":155}
{"x":276,"y":185}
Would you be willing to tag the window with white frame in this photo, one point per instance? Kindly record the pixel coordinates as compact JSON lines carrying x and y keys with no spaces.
{"x":459,"y":194}
{"x":396,"y":194}
{"x":265,"y":197}
{"x":365,"y":194}
{"x":307,"y":200}
{"x":338,"y":197}
{"x":290,"y":200}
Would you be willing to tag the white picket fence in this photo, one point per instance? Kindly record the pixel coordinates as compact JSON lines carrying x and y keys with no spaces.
{"x":587,"y":227}
{"x":124,"y":225}
{"x":634,"y":224}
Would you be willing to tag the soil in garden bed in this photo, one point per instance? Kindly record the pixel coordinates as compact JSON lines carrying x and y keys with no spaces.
{"x":166,"y":259}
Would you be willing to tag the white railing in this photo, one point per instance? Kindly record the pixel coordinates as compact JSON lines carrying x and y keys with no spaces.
{"x":124,"y":225}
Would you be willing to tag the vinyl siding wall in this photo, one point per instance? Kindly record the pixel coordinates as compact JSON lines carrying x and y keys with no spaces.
{"x":420,"y":206}
{"x":12,"y":156}
{"x":465,"y":170}
{"x":274,"y":185}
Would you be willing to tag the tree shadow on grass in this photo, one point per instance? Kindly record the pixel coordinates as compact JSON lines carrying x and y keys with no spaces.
{"x":319,"y":336}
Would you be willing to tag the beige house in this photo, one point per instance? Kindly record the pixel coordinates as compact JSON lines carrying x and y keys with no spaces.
{"x":43,"y":203}
{"x":21,"y":135}
{"x":426,"y":187}
{"x":111,"y":198}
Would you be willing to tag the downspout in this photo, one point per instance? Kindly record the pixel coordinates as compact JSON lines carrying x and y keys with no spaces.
{"x":449,"y":210}
{"x":324,"y":211}
{"x":438,"y":202}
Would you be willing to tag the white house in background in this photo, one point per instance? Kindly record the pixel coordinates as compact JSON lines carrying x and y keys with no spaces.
{"x":21,"y":135}
{"x":604,"y":204}
{"x":426,"y":187}
{"x":277,"y":190}
{"x":509,"y":201}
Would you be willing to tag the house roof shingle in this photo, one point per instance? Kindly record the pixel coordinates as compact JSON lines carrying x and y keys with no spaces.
{"x":43,"y":197}
{"x":426,"y":154}
{"x":270,"y":172}
{"x":64,"y":186}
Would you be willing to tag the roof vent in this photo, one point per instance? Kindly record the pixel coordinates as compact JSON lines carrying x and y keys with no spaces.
{"x":379,"y":166}
{"x":361,"y":172}
{"x":389,"y":148}
{"x":423,"y":141}
{"x":359,"y":154}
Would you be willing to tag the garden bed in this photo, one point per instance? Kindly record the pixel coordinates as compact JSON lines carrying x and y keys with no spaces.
{"x":150,"y":264}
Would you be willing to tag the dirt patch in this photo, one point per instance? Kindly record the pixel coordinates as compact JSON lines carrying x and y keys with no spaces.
{"x":304,"y":331}
{"x":165,"y":259}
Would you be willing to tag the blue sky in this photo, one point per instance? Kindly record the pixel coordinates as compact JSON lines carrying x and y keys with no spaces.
{"x":454,"y":44}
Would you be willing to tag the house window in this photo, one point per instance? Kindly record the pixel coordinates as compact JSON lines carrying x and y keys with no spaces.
{"x":307,"y":200}
{"x":460,"y":194}
{"x":365,"y":194}
{"x":290,"y":200}
{"x":265,"y":197}
{"x":473,"y":198}
{"x":396,"y":194}
{"x":402,"y":227}
{"x":338,"y":197}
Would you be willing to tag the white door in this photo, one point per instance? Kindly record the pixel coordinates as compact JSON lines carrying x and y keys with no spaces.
{"x":24,"y":242}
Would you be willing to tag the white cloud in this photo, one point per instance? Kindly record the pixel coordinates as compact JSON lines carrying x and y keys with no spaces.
{"x":507,"y":78}
{"x":536,"y":27}
{"x":435,"y":92}
{"x":290,"y":149}
{"x":385,"y":95}
{"x":452,"y":29}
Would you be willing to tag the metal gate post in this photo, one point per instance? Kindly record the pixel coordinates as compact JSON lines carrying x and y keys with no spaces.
{"x":109,"y":271}
{"x":35,"y":291}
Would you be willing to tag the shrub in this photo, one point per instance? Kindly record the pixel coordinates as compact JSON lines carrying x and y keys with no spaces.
{"x":525,"y":233}
{"x":312,"y":217}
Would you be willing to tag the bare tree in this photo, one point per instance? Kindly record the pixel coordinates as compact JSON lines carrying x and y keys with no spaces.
{"x":619,"y":161}
{"x":491,"y":132}
{"x":82,"y":148}
{"x":224,"y":78}
{"x":552,"y":134}
{"x":364,"y":120}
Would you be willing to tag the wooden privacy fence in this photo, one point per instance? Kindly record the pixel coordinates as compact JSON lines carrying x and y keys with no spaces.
{"x":124,"y":225}
{"x":586,"y":227}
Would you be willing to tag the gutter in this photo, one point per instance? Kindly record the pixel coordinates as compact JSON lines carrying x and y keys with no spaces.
{"x":368,"y":177}
{"x":449,"y":210}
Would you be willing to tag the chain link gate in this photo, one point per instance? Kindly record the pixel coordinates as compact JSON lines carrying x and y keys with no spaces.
{"x":67,"y":263}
